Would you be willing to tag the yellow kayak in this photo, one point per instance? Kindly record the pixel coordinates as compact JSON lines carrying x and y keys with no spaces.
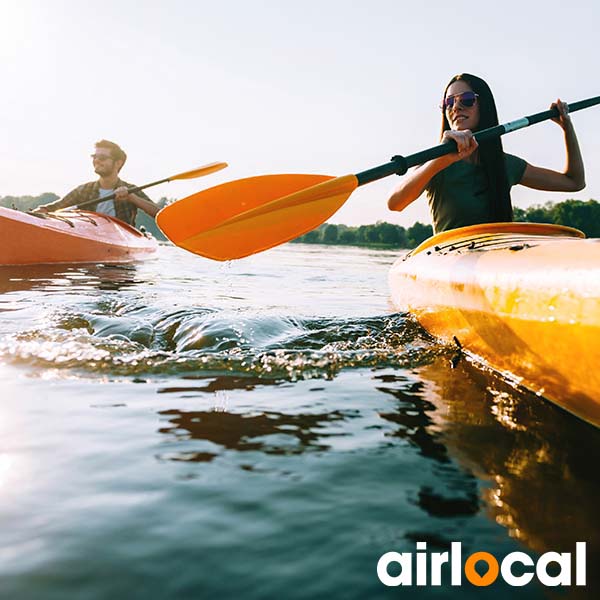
{"x":524,"y":298}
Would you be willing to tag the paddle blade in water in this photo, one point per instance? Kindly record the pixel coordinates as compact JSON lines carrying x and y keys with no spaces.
{"x":243,"y":217}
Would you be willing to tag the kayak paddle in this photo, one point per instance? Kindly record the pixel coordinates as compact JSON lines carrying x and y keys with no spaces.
{"x":239,"y":218}
{"x":199,"y":172}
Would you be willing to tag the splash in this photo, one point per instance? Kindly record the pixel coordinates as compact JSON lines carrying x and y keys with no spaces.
{"x":124,"y":339}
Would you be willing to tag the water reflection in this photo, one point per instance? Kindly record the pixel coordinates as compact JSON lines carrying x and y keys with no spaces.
{"x":415,"y":421}
{"x":268,"y":432}
{"x":220,"y":384}
{"x":487,"y":448}
{"x":538,"y":463}
{"x":56,"y":277}
{"x":412,"y":416}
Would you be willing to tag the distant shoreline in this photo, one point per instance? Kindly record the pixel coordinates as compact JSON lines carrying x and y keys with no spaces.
{"x":583,"y":215}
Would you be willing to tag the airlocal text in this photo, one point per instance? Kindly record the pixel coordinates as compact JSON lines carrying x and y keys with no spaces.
{"x":516,"y":569}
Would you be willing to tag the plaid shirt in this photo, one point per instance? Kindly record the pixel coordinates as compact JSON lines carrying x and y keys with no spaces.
{"x":126,"y":211}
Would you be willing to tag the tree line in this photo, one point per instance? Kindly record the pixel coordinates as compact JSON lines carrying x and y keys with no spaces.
{"x":583,"y":215}
{"x":574,"y":213}
{"x":379,"y":235}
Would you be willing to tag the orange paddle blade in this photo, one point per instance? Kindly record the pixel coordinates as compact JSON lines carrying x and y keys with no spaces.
{"x":243,"y":217}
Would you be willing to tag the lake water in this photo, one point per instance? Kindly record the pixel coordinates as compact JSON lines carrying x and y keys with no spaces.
{"x":266,"y":428}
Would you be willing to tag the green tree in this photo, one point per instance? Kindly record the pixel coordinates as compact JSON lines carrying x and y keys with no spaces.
{"x":392,"y":235}
{"x":312,"y":237}
{"x":330,"y":235}
{"x":418,"y":233}
{"x":578,"y":214}
{"x":347,"y":236}
{"x":574,"y":213}
{"x":519,"y":214}
{"x":361,"y":234}
{"x":372,"y":234}
{"x":27,"y":202}
{"x":540,"y":214}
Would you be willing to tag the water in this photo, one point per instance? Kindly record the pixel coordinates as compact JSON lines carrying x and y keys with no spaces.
{"x":262,"y":429}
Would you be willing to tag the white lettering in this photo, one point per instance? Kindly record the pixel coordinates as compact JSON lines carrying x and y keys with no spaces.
{"x":421,"y":568}
{"x":509,"y":561}
{"x":563,"y":578}
{"x":456,"y":563}
{"x":580,"y":563}
{"x":437,"y":560}
{"x":404,"y":561}
{"x":405,"y":575}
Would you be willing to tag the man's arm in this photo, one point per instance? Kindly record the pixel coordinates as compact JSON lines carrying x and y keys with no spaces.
{"x":138,"y":199}
{"x":71,"y":199}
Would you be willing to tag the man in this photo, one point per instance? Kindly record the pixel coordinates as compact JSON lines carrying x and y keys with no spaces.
{"x":108,"y":159}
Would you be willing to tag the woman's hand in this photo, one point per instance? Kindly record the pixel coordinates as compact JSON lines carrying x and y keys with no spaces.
{"x":564,"y":119}
{"x":572,"y":179}
{"x":465,"y":142}
{"x":414,"y":183}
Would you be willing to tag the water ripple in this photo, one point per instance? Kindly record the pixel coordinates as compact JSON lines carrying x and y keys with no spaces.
{"x":122,"y":339}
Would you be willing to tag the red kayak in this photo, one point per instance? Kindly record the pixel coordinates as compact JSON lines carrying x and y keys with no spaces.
{"x":76,"y":236}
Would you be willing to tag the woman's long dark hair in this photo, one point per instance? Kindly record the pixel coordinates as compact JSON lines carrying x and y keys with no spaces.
{"x":491,"y":154}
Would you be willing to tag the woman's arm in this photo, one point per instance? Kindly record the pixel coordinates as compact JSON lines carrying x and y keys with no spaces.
{"x":413,"y":184}
{"x":572,"y":179}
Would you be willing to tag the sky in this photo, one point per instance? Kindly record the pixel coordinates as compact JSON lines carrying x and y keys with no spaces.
{"x":274,"y":86}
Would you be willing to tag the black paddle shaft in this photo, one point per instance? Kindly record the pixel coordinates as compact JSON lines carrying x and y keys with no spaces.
{"x":131,"y":190}
{"x":400,"y":164}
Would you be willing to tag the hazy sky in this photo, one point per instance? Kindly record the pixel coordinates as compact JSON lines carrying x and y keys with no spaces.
{"x":272,"y":86}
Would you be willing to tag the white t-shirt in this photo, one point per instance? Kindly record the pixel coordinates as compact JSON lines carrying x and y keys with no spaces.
{"x":107,"y":207}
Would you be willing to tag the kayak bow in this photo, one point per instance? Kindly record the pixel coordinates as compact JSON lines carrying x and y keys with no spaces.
{"x":69,"y":237}
{"x":524,"y":298}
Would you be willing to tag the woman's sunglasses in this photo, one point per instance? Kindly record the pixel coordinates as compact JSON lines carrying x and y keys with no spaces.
{"x":466,"y":99}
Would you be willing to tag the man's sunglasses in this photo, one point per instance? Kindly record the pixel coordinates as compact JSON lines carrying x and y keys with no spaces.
{"x":466,"y":99}
{"x":100,"y":156}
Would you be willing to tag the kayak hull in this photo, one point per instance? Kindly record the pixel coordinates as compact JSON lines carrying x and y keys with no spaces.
{"x":70,"y":237}
{"x":521,"y":297}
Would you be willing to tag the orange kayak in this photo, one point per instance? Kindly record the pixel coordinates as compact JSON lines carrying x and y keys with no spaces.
{"x":69,"y":237}
{"x":523,"y":298}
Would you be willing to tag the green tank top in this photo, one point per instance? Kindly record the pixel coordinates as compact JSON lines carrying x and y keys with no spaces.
{"x":461,"y":196}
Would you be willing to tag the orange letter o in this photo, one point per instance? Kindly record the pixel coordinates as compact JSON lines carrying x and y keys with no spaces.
{"x":474,"y":577}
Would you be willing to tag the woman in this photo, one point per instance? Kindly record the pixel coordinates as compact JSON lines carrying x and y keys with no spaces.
{"x":472,"y":185}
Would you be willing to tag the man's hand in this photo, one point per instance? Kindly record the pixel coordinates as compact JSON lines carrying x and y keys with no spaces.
{"x":122,"y":194}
